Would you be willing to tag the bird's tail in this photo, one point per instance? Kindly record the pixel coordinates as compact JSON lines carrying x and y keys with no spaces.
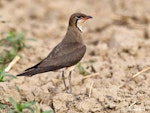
{"x":27,"y":73}
{"x":32,"y":72}
{"x":36,"y":70}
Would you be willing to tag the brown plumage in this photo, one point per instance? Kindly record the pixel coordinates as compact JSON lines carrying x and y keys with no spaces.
{"x":67,"y":53}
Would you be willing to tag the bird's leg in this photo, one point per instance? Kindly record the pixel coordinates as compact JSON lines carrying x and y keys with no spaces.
{"x":70,"y":86}
{"x":63,"y":77}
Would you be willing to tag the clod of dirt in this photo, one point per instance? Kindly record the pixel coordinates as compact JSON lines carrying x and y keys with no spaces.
{"x":10,"y":91}
{"x":88,"y":105}
{"x":61,"y":102}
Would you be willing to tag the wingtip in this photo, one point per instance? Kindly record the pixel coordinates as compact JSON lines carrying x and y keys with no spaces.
{"x":26,"y":73}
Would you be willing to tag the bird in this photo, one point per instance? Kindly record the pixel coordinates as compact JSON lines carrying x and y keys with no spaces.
{"x":65,"y":54}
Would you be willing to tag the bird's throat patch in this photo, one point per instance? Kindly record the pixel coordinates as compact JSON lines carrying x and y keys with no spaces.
{"x":80,"y":24}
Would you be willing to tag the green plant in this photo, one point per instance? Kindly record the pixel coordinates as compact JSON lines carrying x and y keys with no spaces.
{"x":9,"y":48}
{"x":81,"y":69}
{"x":16,"y":41}
{"x":2,"y":106}
{"x":19,"y":107}
{"x":5,"y":76}
{"x":11,"y":44}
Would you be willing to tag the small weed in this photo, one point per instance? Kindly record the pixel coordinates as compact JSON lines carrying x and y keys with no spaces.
{"x":5,"y":76}
{"x":11,"y":45}
{"x":86,"y":69}
{"x":81,"y":69}
{"x":29,"y":105}
{"x":2,"y":106}
{"x":19,"y":107}
{"x":9,"y":49}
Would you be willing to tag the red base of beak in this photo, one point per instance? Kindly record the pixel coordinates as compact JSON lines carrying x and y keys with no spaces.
{"x":87,"y":17}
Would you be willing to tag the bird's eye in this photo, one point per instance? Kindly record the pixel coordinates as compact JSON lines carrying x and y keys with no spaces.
{"x":78,"y":17}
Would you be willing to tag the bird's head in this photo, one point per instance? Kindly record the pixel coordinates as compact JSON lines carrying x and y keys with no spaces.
{"x":77,"y":20}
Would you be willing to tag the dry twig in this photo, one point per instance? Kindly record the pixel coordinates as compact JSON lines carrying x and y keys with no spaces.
{"x":90,"y":91}
{"x":140,"y":72}
{"x":14,"y":61}
{"x":88,"y":76}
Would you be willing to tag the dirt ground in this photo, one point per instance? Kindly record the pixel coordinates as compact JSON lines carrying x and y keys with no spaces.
{"x":118,"y":44}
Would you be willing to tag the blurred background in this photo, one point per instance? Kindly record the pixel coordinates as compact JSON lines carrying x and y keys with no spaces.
{"x":48,"y":18}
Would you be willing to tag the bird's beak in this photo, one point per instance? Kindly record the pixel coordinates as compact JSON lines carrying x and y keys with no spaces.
{"x":87,"y":17}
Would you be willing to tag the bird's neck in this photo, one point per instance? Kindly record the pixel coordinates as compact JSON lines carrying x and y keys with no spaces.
{"x":73,"y":35}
